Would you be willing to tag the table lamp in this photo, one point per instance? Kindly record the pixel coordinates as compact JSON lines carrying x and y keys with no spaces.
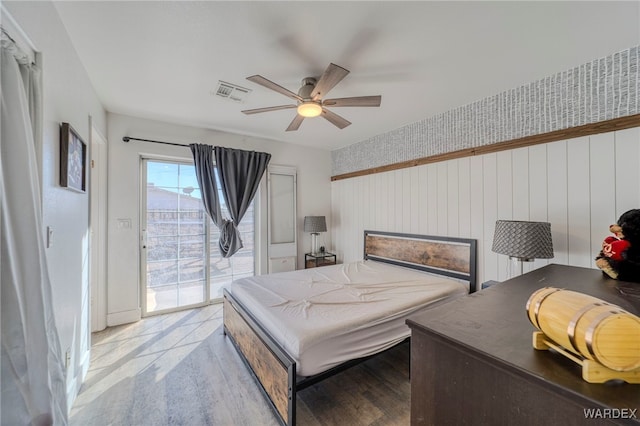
{"x":523,"y":241}
{"x":315,"y":225}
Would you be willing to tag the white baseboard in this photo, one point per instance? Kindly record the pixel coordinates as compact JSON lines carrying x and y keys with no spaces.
{"x":124,"y":317}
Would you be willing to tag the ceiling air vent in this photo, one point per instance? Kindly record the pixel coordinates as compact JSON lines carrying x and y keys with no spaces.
{"x":232,"y":92}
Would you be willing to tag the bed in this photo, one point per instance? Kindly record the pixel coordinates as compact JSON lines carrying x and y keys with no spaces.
{"x":293,"y":329}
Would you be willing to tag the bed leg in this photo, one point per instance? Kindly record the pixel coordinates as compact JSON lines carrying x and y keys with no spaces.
{"x":292,"y":397}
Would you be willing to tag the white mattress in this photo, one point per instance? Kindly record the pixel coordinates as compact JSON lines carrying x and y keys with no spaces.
{"x":325,"y":316}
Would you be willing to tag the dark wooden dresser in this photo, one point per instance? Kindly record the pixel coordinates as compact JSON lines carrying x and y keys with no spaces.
{"x":472,"y":362}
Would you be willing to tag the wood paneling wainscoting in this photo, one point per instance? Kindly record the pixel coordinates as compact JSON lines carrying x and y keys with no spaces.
{"x":579,"y":185}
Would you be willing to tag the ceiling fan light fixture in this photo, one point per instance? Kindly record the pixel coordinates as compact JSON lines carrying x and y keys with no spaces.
{"x":309,"y":109}
{"x":310,"y":98}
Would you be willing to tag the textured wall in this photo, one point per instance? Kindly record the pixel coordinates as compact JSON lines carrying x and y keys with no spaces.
{"x":600,"y":90}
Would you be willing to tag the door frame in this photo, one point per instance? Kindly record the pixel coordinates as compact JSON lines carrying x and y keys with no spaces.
{"x":98,"y":228}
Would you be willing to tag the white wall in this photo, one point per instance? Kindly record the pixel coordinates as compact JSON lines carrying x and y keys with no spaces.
{"x":68,"y":97}
{"x":580,"y":186}
{"x":123,"y":276}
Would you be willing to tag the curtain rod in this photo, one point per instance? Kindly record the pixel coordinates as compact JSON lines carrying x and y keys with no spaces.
{"x":127,"y":139}
{"x":18,"y":37}
{"x":12,"y":45}
{"x":6,"y":34}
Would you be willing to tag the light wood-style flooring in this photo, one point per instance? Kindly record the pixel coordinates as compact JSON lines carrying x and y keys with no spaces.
{"x":180,"y":369}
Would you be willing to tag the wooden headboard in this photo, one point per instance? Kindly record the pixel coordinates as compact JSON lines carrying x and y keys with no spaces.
{"x":449,"y":256}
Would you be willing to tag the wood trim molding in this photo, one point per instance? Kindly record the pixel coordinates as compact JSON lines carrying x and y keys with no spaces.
{"x":570,"y":133}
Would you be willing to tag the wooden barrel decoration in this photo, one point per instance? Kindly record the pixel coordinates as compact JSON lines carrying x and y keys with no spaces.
{"x":587,"y":326}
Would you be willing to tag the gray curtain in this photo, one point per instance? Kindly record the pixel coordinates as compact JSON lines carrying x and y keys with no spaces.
{"x":239,"y":173}
{"x":205,"y":165}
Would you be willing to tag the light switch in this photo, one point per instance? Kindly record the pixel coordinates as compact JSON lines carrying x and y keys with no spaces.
{"x":49,"y":237}
{"x":124,"y":223}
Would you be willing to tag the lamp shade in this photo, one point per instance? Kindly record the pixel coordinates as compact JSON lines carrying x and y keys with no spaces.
{"x":523,"y":240}
{"x":315,"y":224}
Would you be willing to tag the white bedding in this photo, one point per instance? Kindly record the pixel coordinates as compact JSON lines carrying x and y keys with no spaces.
{"x":325,"y":316}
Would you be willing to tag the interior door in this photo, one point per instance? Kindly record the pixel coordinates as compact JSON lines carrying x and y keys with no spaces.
{"x":282,"y":236}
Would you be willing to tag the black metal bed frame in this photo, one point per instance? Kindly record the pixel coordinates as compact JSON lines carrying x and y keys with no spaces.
{"x":296,"y":383}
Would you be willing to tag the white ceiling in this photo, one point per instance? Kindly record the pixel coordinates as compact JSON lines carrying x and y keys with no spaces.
{"x":162,"y":59}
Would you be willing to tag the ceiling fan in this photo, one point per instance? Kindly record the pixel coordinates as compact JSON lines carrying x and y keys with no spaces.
{"x":310,"y":98}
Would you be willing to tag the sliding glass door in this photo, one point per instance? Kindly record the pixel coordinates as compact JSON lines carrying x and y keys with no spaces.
{"x":180,"y":263}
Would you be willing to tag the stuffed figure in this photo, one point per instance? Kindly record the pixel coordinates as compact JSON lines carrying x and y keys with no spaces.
{"x":614,"y":246}
{"x":620,"y":254}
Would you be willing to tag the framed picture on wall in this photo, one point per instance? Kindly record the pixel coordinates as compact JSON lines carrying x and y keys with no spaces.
{"x":73,"y":159}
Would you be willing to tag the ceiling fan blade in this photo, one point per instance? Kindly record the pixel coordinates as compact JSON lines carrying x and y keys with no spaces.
{"x":295,"y":124}
{"x":331,"y":76}
{"x":359,"y":101}
{"x":267,"y":109}
{"x":335,"y":119}
{"x":258,"y":79}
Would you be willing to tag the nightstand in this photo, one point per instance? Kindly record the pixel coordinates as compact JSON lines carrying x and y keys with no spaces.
{"x":312,"y":260}
{"x":488,"y":284}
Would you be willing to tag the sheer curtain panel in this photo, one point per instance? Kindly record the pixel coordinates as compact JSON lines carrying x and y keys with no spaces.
{"x":33,"y":385}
